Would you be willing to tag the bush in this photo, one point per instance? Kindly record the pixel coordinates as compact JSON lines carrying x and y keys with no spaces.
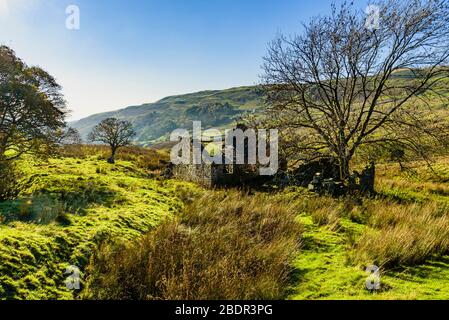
{"x":42,"y":209}
{"x":9,"y":178}
{"x":224,"y":246}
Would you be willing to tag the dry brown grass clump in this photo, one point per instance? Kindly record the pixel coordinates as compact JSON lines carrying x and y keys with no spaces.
{"x":391,"y":234}
{"x":327,"y":217}
{"x":404,"y":234}
{"x":225,"y":245}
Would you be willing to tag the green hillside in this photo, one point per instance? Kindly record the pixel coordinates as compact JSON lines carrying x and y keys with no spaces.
{"x":72,"y":210}
{"x":67,"y":207}
{"x":155,"y":121}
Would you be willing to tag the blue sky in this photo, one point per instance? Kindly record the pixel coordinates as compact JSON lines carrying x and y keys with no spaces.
{"x":137,"y":51}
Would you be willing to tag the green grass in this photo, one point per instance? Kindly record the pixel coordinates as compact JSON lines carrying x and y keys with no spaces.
{"x":98,"y":202}
{"x":68,"y":207}
{"x":327,"y":268}
{"x":322,"y":271}
{"x":321,"y":268}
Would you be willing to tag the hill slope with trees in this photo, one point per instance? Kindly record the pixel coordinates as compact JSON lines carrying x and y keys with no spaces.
{"x":153,"y":122}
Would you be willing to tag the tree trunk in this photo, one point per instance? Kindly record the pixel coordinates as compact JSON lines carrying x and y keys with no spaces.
{"x":343,"y":154}
{"x":344,"y":159}
{"x":111,"y":159}
{"x":344,"y":168}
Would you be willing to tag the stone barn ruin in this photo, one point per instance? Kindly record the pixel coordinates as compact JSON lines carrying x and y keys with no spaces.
{"x":215,"y":175}
{"x":322,"y":175}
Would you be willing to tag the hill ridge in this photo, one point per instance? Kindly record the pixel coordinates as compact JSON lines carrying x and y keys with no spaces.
{"x":155,"y":121}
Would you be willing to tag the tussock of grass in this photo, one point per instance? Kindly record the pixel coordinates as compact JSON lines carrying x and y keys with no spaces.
{"x":405,"y":234}
{"x":225,"y":245}
{"x":328,"y":216}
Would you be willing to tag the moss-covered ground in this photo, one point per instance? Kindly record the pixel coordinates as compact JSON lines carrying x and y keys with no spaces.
{"x":67,"y":207}
{"x":322,"y":271}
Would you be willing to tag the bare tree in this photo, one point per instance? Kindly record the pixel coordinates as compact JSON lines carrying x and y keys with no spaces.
{"x":113,"y":132}
{"x":343,"y":84}
{"x":32,"y":108}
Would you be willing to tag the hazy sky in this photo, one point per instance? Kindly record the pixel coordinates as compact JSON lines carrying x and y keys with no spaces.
{"x":129,"y":52}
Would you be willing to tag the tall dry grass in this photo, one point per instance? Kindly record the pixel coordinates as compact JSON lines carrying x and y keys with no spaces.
{"x":225,"y":245}
{"x":404,"y":234}
{"x":392,"y":234}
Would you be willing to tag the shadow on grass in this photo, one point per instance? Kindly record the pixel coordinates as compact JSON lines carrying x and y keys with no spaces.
{"x":423,"y":271}
{"x":46,"y":206}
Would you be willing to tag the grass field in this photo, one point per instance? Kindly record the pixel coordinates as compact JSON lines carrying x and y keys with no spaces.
{"x":67,"y":207}
{"x":82,"y":211}
{"x":403,"y":231}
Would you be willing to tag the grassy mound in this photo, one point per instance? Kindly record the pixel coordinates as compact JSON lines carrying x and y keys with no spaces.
{"x":66,"y":207}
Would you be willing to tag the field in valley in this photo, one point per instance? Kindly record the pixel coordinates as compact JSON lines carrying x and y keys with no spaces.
{"x":123,"y":225}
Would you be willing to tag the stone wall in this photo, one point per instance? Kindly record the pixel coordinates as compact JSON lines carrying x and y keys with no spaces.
{"x":215,"y":175}
{"x":200,"y":173}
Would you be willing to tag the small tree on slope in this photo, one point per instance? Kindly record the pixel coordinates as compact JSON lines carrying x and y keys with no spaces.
{"x":115,"y":133}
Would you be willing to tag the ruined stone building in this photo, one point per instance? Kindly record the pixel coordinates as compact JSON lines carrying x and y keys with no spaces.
{"x":213,"y":175}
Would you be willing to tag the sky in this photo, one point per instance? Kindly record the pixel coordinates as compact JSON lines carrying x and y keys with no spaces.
{"x":130,"y":52}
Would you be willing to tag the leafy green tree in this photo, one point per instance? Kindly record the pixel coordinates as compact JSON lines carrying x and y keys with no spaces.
{"x":115,"y":133}
{"x":9,"y":177}
{"x":32,"y":108}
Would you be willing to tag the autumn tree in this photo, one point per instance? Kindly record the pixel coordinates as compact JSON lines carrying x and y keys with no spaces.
{"x":116,"y":133}
{"x":350,"y":81}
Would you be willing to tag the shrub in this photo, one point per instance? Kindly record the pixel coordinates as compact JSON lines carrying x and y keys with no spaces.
{"x":9,"y":178}
{"x":224,"y":246}
{"x":42,"y":209}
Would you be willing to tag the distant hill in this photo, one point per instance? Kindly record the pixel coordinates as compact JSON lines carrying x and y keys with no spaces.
{"x":215,"y":109}
{"x":154,"y":122}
